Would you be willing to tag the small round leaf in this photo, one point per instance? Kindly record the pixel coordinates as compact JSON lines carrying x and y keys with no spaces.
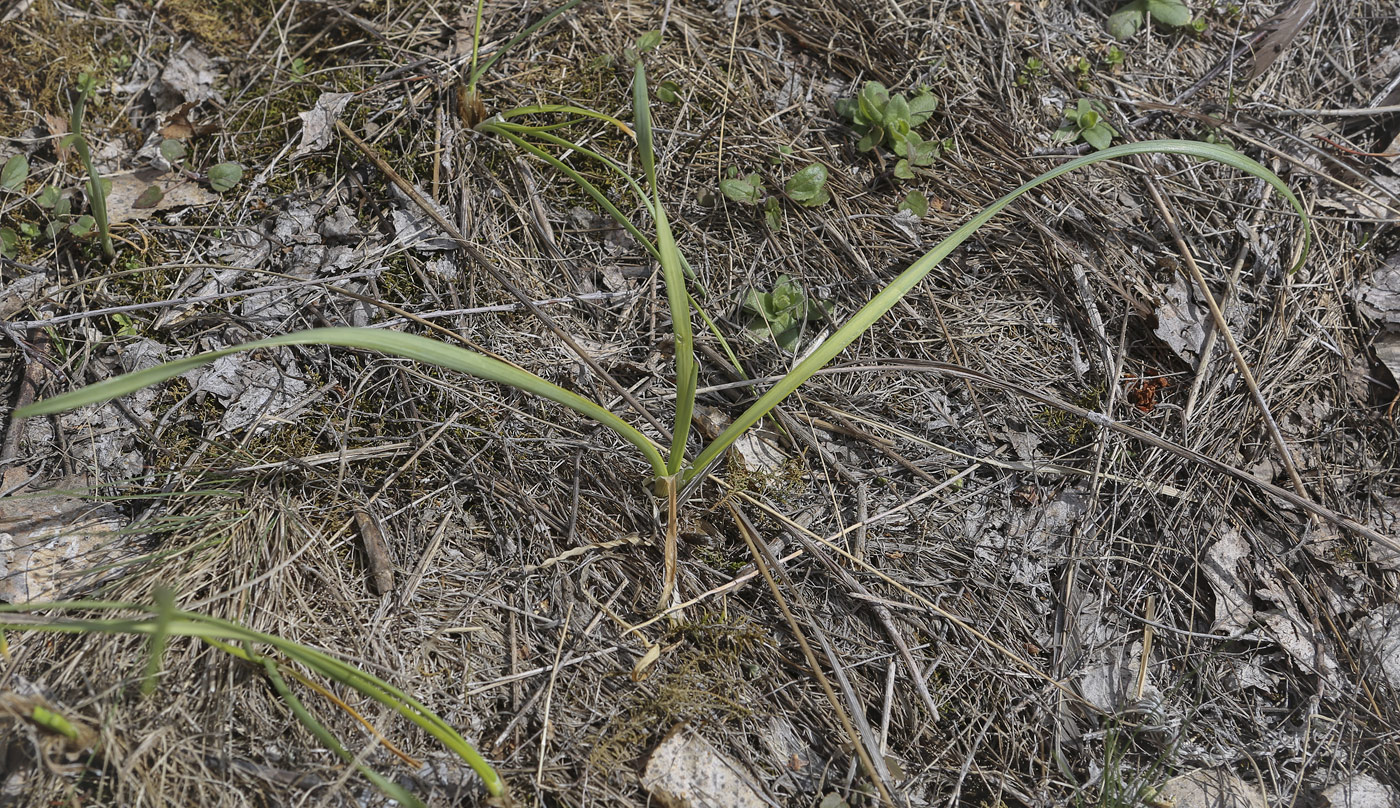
{"x":225,"y":176}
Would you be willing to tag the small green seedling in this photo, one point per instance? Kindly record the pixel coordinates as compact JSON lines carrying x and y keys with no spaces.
{"x":1085,"y":121}
{"x":916,"y":203}
{"x":1126,"y":21}
{"x":1115,"y":56}
{"x":225,"y":176}
{"x":747,"y":190}
{"x":1033,"y":68}
{"x":806,"y":188}
{"x":782,"y":314}
{"x":882,"y":119}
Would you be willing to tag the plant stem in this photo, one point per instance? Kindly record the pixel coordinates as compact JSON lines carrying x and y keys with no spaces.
{"x":97,"y":201}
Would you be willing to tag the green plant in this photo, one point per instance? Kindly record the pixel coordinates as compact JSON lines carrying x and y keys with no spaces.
{"x":1031,"y":70}
{"x":807,"y":188}
{"x":882,"y":119}
{"x":1115,"y":56}
{"x":673,"y":465}
{"x":97,"y":191}
{"x":1126,"y":21}
{"x":163,"y":620}
{"x":782,"y":314}
{"x":916,"y":203}
{"x":1085,"y":121}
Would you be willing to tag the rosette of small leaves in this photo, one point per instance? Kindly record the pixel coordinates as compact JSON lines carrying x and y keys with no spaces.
{"x":882,"y":119}
{"x":780,"y":315}
{"x":1086,"y":121}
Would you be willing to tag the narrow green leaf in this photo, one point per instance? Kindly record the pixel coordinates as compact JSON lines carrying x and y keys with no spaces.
{"x":15,"y":172}
{"x":394,"y":343}
{"x":641,"y":114}
{"x":906,"y":281}
{"x":648,"y":41}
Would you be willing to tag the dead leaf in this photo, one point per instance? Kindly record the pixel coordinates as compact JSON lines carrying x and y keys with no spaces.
{"x":318,"y":123}
{"x":125,"y":198}
{"x":1377,"y":639}
{"x":1180,"y":323}
{"x":48,"y":539}
{"x":178,"y":126}
{"x":1234,"y":611}
{"x":192,"y":74}
{"x":685,"y":770}
{"x":1359,"y":791}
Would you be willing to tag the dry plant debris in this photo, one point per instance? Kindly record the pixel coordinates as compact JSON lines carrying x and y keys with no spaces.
{"x":996,"y":556}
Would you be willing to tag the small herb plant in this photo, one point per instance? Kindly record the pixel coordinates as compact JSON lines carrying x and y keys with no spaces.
{"x":806,"y":188}
{"x":1126,"y":21}
{"x":672,"y":465}
{"x":1086,"y":121}
{"x":882,"y":119}
{"x":782,"y":314}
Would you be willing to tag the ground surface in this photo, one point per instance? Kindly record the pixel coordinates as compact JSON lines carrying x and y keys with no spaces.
{"x":1021,"y":605}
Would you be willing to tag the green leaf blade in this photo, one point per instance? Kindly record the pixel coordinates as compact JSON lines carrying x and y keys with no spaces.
{"x":906,"y":281}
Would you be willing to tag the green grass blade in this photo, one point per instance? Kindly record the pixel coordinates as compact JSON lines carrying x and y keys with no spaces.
{"x":641,"y":118}
{"x":906,"y":281}
{"x":516,"y":40}
{"x":165,"y":612}
{"x":395,"y":343}
{"x":540,"y":109}
{"x":328,"y":739}
{"x":220,"y":633}
{"x":673,"y":272}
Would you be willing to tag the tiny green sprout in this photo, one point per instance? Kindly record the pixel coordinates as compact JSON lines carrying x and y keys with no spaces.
{"x":668,"y":92}
{"x":1199,"y":25}
{"x":126,"y":327}
{"x":298,"y":68}
{"x":1126,"y":21}
{"x":225,"y":176}
{"x":773,"y":214}
{"x":1085,"y":121}
{"x":48,"y":197}
{"x":1031,"y":70}
{"x":882,"y":119}
{"x":82,"y":226}
{"x":744,"y":190}
{"x":1115,"y":56}
{"x":29,"y":229}
{"x":782,"y":314}
{"x":15,"y":172}
{"x":916,"y":203}
{"x":646,"y":42}
{"x":808,"y":186}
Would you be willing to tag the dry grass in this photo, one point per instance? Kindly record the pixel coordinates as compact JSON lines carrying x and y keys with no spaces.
{"x":1046,"y":551}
